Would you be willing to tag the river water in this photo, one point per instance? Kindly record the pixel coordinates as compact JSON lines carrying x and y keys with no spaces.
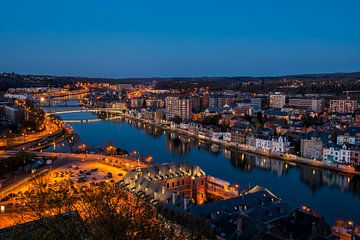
{"x":332,"y":194}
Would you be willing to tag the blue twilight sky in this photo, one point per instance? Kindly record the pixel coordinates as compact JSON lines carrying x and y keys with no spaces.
{"x":133,"y":38}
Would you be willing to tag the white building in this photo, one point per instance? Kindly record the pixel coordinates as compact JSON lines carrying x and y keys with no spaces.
{"x":345,"y":154}
{"x":227,"y":136}
{"x":337,"y":154}
{"x":263,"y":144}
{"x":277,"y":100}
{"x":280,"y":145}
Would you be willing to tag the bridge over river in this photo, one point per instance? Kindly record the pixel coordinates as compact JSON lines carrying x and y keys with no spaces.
{"x":96,"y":110}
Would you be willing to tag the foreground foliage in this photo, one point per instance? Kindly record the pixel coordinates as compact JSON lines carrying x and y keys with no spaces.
{"x":105,"y":212}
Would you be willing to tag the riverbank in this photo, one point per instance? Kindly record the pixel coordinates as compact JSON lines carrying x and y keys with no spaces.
{"x":341,"y":168}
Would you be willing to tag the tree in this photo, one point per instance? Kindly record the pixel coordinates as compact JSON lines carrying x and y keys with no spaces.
{"x":108,"y":212}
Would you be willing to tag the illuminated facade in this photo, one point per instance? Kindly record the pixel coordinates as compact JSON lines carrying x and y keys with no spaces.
{"x":179,"y":178}
{"x":178,"y":107}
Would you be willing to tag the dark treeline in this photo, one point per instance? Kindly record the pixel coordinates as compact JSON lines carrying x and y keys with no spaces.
{"x":312,"y":83}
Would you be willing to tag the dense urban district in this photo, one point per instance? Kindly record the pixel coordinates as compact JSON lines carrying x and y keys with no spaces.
{"x":107,"y":192}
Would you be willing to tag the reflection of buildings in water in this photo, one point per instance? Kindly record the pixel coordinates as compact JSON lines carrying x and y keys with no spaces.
{"x":311,"y":176}
{"x":215,"y":149}
{"x":275,"y":166}
{"x":227,"y":153}
{"x":146,"y":128}
{"x":354,"y":184}
{"x":152,"y":131}
{"x":241,"y":161}
{"x":175,"y":145}
{"x":248,"y":161}
{"x":315,"y":178}
{"x":334,"y":179}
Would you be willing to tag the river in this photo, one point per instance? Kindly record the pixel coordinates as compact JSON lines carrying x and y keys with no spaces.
{"x":332,"y":194}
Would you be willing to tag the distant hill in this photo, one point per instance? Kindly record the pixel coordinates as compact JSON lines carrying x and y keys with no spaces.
{"x":344,"y":81}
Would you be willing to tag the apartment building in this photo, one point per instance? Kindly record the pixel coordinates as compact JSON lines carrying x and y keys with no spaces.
{"x":178,"y":106}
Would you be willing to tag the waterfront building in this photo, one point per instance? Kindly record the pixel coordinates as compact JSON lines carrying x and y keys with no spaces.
{"x":343,"y":106}
{"x":178,"y":107}
{"x":312,"y":145}
{"x":227,"y":137}
{"x":263,"y":143}
{"x":158,"y":115}
{"x":277,"y":100}
{"x":193,"y":128}
{"x":251,"y":142}
{"x":280,"y":144}
{"x":340,"y":154}
{"x":239,"y":133}
{"x":316,"y":105}
{"x":355,"y":155}
{"x":345,"y":155}
{"x":331,"y":152}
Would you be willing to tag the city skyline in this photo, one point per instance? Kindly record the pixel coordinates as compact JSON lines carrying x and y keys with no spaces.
{"x":180,"y":119}
{"x":162,"y":39}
